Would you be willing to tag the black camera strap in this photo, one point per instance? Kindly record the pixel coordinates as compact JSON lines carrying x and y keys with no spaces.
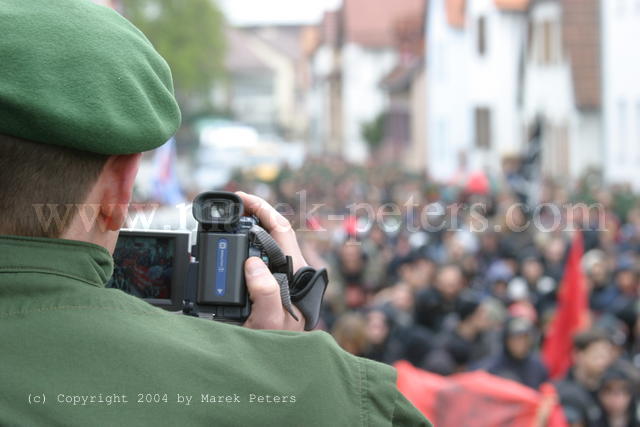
{"x":305,"y":288}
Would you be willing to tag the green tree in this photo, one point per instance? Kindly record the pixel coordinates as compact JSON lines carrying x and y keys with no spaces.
{"x":189,"y":34}
{"x":373,"y":131}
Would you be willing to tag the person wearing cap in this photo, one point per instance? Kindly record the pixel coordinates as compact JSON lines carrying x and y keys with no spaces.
{"x":82,"y":94}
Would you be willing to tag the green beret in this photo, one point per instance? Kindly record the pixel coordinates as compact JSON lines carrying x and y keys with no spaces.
{"x":79,"y":75}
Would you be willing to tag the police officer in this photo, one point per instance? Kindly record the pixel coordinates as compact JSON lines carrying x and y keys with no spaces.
{"x":82,"y":94}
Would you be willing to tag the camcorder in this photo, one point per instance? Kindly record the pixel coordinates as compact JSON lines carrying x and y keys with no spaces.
{"x":207,"y":280}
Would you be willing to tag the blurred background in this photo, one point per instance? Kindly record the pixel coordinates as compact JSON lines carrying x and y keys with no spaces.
{"x":523,"y":107}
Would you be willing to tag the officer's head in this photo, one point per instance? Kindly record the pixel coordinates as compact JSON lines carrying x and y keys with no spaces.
{"x":82,"y":94}
{"x":43,"y":186}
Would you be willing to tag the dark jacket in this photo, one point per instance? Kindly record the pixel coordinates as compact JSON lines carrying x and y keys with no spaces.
{"x":528,"y":371}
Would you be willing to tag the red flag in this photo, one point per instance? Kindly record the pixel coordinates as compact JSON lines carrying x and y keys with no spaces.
{"x":477,"y":399}
{"x":351,"y":225}
{"x":571,"y":313}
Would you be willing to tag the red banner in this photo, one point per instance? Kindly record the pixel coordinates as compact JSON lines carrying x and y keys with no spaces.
{"x":478,"y":399}
{"x":571,"y":315}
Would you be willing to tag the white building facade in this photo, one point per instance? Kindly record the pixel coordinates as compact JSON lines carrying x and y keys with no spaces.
{"x":474,"y":65}
{"x":621,"y":90}
{"x":448,"y":118}
{"x":496,"y":44}
{"x":356,"y":50}
{"x":362,"y":99}
{"x":567,"y":110}
{"x":499,"y":68}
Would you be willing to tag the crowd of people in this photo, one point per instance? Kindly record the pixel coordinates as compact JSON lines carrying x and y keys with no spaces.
{"x":464,"y":275}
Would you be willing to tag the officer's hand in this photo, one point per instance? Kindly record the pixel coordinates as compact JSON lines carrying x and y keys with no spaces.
{"x":276,"y":225}
{"x":267,"y":311}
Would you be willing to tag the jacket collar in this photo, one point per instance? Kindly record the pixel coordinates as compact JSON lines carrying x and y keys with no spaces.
{"x":82,"y":261}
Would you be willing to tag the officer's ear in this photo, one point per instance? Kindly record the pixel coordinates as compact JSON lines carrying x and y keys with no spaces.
{"x":116,"y":184}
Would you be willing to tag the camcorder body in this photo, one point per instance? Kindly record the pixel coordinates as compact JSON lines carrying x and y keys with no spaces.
{"x":158,"y":266}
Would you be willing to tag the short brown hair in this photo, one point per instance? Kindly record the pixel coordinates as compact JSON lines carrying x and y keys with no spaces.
{"x":583,"y":340}
{"x":38,"y":181}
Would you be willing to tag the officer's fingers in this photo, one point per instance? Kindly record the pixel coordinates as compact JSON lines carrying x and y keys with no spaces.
{"x":266,"y":310}
{"x":277,"y":225}
{"x":270,"y":219}
{"x":291,"y":324}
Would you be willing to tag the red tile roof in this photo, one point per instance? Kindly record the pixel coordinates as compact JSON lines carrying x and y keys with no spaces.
{"x":330,"y":27}
{"x":455,"y":12}
{"x":581,"y":35}
{"x":310,"y":39}
{"x":456,"y":9}
{"x":371,"y":22}
{"x":514,"y":5}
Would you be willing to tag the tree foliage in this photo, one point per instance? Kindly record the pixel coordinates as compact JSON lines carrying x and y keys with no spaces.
{"x":189,"y":34}
{"x":373,"y":131}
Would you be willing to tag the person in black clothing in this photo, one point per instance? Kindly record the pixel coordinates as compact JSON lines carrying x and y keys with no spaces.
{"x":390,"y":341}
{"x":464,"y":344}
{"x":518,"y":236}
{"x":603,"y":292}
{"x":617,"y":400}
{"x":517,"y":361}
{"x":434,"y":305}
{"x":383,"y":345}
{"x":593,"y":354}
{"x":554,"y":258}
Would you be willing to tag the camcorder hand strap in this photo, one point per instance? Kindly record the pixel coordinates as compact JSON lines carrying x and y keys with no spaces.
{"x":307,"y":291}
{"x":305,"y":288}
{"x":280,"y":265}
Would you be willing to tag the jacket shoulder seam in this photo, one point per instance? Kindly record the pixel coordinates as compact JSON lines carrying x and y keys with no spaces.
{"x":72,"y":307}
{"x":18,"y":270}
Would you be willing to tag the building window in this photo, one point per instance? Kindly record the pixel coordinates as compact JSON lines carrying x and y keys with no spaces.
{"x":439,"y":63}
{"x":564,"y":150}
{"x":637,"y":140}
{"x":622,"y":132}
{"x":483,"y":127}
{"x":556,"y":150}
{"x":396,"y":127}
{"x":548,"y":41}
{"x":442,"y":136}
{"x":482,"y":36}
{"x":530,"y":33}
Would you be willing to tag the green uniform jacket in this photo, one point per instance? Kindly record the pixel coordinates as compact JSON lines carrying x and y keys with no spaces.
{"x":73,"y":352}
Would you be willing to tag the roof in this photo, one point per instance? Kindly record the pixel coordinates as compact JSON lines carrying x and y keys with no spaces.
{"x":400,"y":77}
{"x":581,"y":34}
{"x":286,"y":40}
{"x":330,"y":27}
{"x":455,"y":12}
{"x":239,"y":55}
{"x":371,"y":22}
{"x":455,"y":9}
{"x":310,"y":39}
{"x":512,"y":5}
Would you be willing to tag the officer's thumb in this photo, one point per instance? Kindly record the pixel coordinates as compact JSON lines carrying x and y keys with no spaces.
{"x":264,"y":293}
